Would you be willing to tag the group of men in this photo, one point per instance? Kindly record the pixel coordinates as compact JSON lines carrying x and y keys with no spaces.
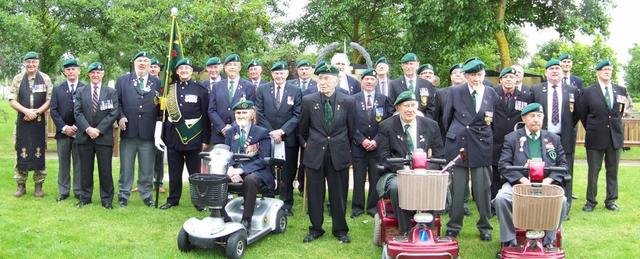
{"x":327,"y":124}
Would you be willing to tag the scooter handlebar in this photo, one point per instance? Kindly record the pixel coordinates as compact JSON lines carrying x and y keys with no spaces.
{"x":546,"y":168}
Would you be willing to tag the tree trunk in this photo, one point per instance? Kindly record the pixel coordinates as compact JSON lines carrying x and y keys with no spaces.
{"x":501,"y":38}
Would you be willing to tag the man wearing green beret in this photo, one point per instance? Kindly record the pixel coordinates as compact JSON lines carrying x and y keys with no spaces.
{"x":423,"y":89}
{"x":304,"y":70}
{"x":566,"y":62}
{"x":382,"y":74}
{"x":254,"y":69}
{"x":95,"y":110}
{"x":29,"y":95}
{"x":467,"y":118}
{"x":560,"y":102}
{"x":155,"y":67}
{"x":278,"y":105}
{"x":186,"y":130}
{"x":214,"y":67}
{"x":426,"y":72}
{"x":371,"y":109}
{"x":506,"y":116}
{"x":347,"y":83}
{"x":62,"y":100}
{"x":601,"y":107}
{"x":525,"y":144}
{"x":398,"y":136}
{"x":224,"y":94}
{"x":326,"y":128}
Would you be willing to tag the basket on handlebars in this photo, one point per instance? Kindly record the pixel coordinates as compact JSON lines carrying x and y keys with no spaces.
{"x":537,"y":207}
{"x":422,"y":189}
{"x":208,"y":190}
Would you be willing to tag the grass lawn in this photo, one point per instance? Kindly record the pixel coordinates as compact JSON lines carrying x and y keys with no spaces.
{"x":43,"y":228}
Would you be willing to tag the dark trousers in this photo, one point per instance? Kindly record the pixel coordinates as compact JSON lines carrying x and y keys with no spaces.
{"x":568,"y":188}
{"x":88,"y":152}
{"x":480,"y":186}
{"x":250,"y":187}
{"x":594,"y":162}
{"x":158,"y":169}
{"x":496,"y":181}
{"x":301,"y":170}
{"x":288,"y":175}
{"x":177,"y":160}
{"x":403,"y":216}
{"x":316,"y":193}
{"x":365,"y":166}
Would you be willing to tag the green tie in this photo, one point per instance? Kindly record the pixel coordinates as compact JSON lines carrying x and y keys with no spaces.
{"x":408,"y":136}
{"x":533,"y":135}
{"x":140,"y":83}
{"x":607,"y":97}
{"x":241,"y":142}
{"x":328,"y":114}
{"x":411,"y":85}
{"x":230,"y":91}
{"x":473,"y":98}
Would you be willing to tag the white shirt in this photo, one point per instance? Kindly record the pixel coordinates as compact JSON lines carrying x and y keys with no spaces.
{"x":344,"y":83}
{"x":408,"y":79}
{"x":97,"y":92}
{"x":413,"y":131}
{"x":275,"y":92}
{"x":529,"y":133}
{"x":235,"y":85}
{"x":366,"y":97}
{"x":384,"y":82}
{"x":75,"y":86}
{"x":609,"y":89}
{"x":557,"y":129}
{"x":479,"y":96}
{"x":145,"y":79}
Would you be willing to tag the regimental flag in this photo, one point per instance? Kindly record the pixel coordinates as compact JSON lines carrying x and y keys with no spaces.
{"x":175,"y":54}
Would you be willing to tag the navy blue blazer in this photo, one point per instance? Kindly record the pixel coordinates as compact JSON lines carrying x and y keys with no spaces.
{"x":220,"y":112}
{"x":102,"y":119}
{"x":505,"y":118}
{"x":424,"y":90}
{"x":569,"y":117}
{"x":285,"y":118}
{"x":61,"y":106}
{"x":209,"y":84}
{"x":467,"y":128}
{"x":194,"y":108}
{"x":139,"y":107}
{"x":515,"y":151}
{"x":604,"y":127}
{"x":367,"y":122}
{"x":312,"y":86}
{"x":258,"y":143}
{"x":354,"y":86}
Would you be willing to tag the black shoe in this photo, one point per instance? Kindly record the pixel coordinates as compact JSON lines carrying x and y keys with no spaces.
{"x":356,"y":213}
{"x":344,"y":239}
{"x":148,"y":202}
{"x":108,"y":206}
{"x":198,"y":208}
{"x":467,"y":212}
{"x":511,"y":243}
{"x":62,"y":197}
{"x":452,"y":234}
{"x":167,"y":206}
{"x":485,"y":236}
{"x":288,"y":212}
{"x":312,"y":236}
{"x":81,"y":204}
{"x":247,"y":224}
{"x":122,"y":203}
{"x":588,"y":208}
{"x":573,"y":197}
{"x":612,"y":207}
{"x":371,"y":213}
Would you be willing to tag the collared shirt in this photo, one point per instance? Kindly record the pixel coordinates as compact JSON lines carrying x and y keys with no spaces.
{"x":75,"y":86}
{"x":98,"y":90}
{"x":235,"y":84}
{"x":301,"y":84}
{"x":145,"y":80}
{"x":409,"y":79}
{"x":529,"y":133}
{"x":366,"y":97}
{"x":479,"y":95}
{"x":609,"y":89}
{"x":385,"y":82}
{"x":413,"y":131}
{"x":275,"y":92}
{"x":557,"y":129}
{"x":344,"y":83}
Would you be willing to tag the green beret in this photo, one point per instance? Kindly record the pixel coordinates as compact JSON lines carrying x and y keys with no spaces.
{"x":30,"y":55}
{"x":72,"y":62}
{"x":473,"y":66}
{"x":253,"y":63}
{"x":303,"y":63}
{"x":564,"y":56}
{"x":552,"y":62}
{"x":455,"y":66}
{"x":95,"y":66}
{"x":141,"y":54}
{"x":603,"y":63}
{"x":381,"y":60}
{"x":408,"y":57}
{"x":368,"y":72}
{"x":154,"y":61}
{"x":213,"y":61}
{"x":326,"y":69}
{"x":471,"y":59}
{"x":232,"y":58}
{"x":280,"y":65}
{"x":321,"y":63}
{"x":532,"y":107}
{"x":184,"y":61}
{"x":405,"y":96}
{"x":425,"y":67}
{"x":507,"y":70}
{"x":243,"y":104}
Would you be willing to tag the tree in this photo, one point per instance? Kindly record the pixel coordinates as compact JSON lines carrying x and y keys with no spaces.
{"x":632,"y":71}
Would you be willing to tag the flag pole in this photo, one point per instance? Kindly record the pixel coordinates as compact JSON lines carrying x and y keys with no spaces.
{"x":163,"y":101}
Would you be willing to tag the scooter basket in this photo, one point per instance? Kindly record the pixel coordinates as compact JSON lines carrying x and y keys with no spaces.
{"x":208,"y":190}
{"x":537,"y":207}
{"x":422,"y":189}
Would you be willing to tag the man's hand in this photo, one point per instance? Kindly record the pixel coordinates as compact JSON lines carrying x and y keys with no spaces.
{"x":224,"y":130}
{"x":547,"y":181}
{"x":524,"y":180}
{"x":93,"y":132}
{"x":365,"y":143}
{"x":276,"y":135}
{"x":122,"y":123}
{"x":205,"y":146}
{"x":30,"y":114}
{"x":235,"y":174}
{"x":70,"y":130}
{"x":372,"y":145}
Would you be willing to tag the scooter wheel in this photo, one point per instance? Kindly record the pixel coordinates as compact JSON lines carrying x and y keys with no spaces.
{"x":236,"y":244}
{"x":183,"y":241}
{"x":281,"y":222}
{"x":377,"y":230}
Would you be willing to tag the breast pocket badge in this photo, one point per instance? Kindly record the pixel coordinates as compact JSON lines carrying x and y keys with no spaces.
{"x":520,"y":105}
{"x":379,"y":112}
{"x":106,"y":105}
{"x":572,"y":100}
{"x":191,"y":98}
{"x":424,"y":96}
{"x":39,"y":88}
{"x":488,"y":118}
{"x":290,"y":100}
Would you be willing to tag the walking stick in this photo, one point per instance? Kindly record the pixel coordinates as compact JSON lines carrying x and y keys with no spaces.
{"x":159,"y":177}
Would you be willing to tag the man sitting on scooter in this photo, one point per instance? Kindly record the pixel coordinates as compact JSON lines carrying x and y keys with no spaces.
{"x":399,"y":135}
{"x":520,"y":146}
{"x":245,"y":137}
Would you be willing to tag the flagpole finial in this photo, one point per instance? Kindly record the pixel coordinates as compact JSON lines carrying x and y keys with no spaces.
{"x":174,"y":11}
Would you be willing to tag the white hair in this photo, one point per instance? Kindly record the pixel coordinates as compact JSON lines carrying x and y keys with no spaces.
{"x":340,"y":57}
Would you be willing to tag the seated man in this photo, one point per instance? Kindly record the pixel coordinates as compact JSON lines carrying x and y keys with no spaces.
{"x":520,"y":146}
{"x":399,"y":135}
{"x":255,"y":175}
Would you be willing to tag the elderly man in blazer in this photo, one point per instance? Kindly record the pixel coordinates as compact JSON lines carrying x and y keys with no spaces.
{"x":346,"y":83}
{"x":423,"y":89}
{"x":327,"y":127}
{"x":214,"y":67}
{"x":278,"y":106}
{"x":602,"y":107}
{"x":467,"y":117}
{"x":95,"y":109}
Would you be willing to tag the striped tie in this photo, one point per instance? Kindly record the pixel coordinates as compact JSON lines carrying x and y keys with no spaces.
{"x":94,"y":99}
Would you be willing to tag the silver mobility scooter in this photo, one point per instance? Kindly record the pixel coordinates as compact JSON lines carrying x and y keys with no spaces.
{"x":210,"y":190}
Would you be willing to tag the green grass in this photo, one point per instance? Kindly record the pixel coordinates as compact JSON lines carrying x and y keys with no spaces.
{"x":43,"y":228}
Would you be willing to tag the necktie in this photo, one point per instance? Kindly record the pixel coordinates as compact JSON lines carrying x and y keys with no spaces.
{"x":533,"y":135}
{"x":383,"y":89}
{"x":241,"y":141}
{"x":211,"y":85}
{"x":566,"y":81}
{"x":72,"y":88}
{"x":304,"y":85}
{"x":255,"y":83}
{"x":369,"y":105}
{"x":411,"y":85}
{"x":407,"y":135}
{"x":328,"y":114}
{"x":473,"y":99}
{"x":607,"y":97}
{"x":508,"y":101}
{"x":94,"y":99}
{"x":555,"y":109}
{"x":278,"y":101}
{"x":230,"y":91}
{"x":140,"y":83}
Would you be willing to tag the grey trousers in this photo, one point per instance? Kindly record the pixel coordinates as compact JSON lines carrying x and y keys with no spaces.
{"x":504,"y":211}
{"x":146,"y":152}
{"x":67,"y":153}
{"x":481,"y":188}
{"x":594,"y":162}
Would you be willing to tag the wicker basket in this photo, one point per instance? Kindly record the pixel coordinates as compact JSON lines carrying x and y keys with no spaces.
{"x":422,"y":189}
{"x":537,"y":207}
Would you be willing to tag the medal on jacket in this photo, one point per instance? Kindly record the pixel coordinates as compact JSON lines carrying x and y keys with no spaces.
{"x":424,"y":96}
{"x":379,"y":111}
{"x":551,"y":149}
{"x":572,"y":100}
{"x":522,"y":140}
{"x":488,"y":118}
